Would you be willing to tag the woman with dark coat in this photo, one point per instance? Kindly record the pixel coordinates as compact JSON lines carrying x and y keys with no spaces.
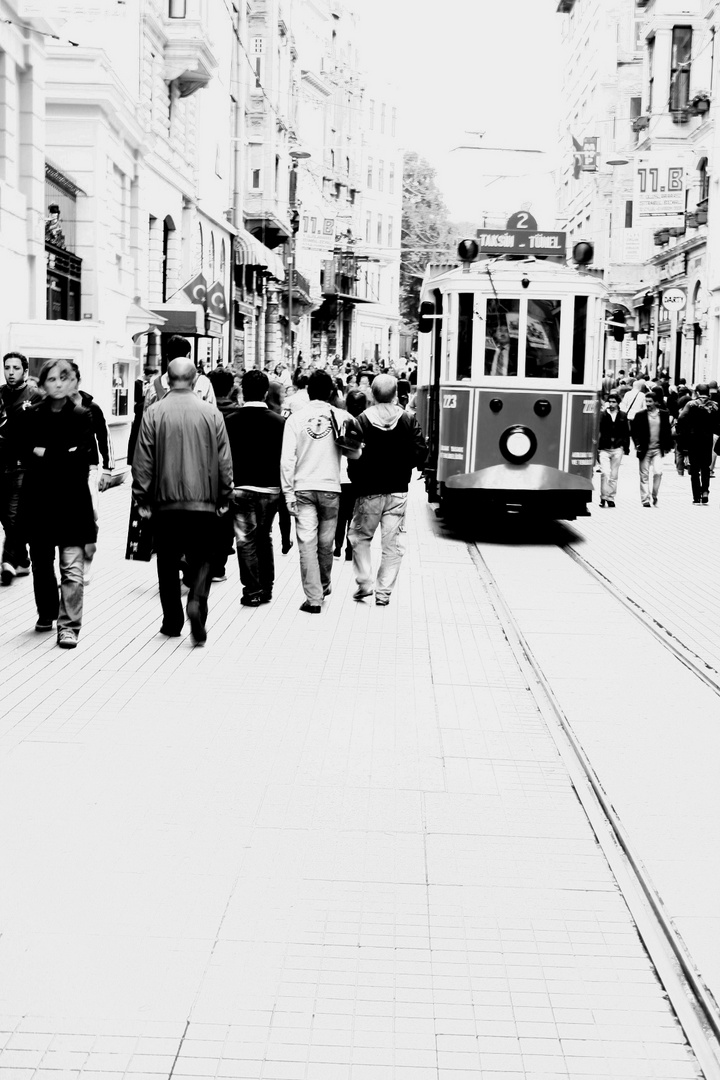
{"x":59,"y":447}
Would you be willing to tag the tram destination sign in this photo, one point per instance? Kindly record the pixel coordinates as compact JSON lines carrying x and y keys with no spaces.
{"x":520,"y":241}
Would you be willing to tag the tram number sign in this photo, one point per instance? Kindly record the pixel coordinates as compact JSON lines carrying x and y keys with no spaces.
{"x":524,"y":241}
{"x":449,"y":401}
{"x":522,"y":220}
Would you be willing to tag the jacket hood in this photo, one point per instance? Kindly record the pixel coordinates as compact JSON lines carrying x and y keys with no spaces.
{"x":385,"y":417}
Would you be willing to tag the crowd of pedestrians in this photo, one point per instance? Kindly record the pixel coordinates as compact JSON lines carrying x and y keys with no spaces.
{"x":215,"y":460}
{"x":658,"y":418}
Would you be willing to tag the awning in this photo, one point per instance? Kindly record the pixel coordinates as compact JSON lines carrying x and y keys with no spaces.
{"x":249,"y":251}
{"x":181,"y":316}
{"x":139,"y":320}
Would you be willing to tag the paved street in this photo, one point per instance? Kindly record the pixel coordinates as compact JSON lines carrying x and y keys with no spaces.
{"x":342,"y":847}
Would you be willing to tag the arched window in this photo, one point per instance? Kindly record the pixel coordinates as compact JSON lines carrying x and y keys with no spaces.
{"x":222,"y":261}
{"x":199,"y":259}
{"x":168,"y":228}
{"x":211,"y":260}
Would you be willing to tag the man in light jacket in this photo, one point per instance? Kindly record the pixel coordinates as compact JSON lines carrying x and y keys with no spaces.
{"x":183,"y":477}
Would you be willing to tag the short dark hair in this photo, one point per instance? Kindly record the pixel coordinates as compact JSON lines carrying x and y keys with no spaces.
{"x":222,"y":381}
{"x":16,"y":356}
{"x":177,"y":346}
{"x":612,"y":396}
{"x":355,"y":402}
{"x":320,"y":386}
{"x":702,"y":388}
{"x":301,"y":381}
{"x":255,"y":385}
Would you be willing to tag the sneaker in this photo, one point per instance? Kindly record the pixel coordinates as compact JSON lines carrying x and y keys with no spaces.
{"x":7,"y":573}
{"x":286,"y":547}
{"x":602,"y":504}
{"x":382,"y":601}
{"x":610,"y":504}
{"x":265,"y":597}
{"x":337,"y":553}
{"x":219,"y":577}
{"x":327,"y":590}
{"x":655,"y":498}
{"x":696,"y":502}
{"x":197,"y":627}
{"x":168,"y":631}
{"x":22,"y":571}
{"x":43,"y":625}
{"x":251,"y":601}
{"x":311,"y":609}
{"x":362,"y":594}
{"x":67,"y":639}
{"x":648,"y":506}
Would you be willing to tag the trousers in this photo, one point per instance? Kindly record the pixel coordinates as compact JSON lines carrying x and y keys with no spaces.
{"x":66,"y":605}
{"x":254,"y":513}
{"x":387,"y":511}
{"x":651,"y":460}
{"x":192,"y":534}
{"x":14,"y":547}
{"x":315,"y":523}
{"x":610,"y":461}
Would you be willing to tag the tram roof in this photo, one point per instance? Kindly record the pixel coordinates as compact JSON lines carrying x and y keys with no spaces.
{"x":509,"y":273}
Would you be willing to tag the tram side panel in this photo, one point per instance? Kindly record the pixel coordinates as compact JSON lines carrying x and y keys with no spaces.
{"x":583,"y":434}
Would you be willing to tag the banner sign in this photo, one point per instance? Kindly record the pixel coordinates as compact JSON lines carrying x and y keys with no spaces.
{"x":659,"y":195}
{"x":520,"y":241}
{"x":585,"y":155}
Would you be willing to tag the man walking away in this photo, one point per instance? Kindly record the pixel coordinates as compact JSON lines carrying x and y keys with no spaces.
{"x":697,"y":424}
{"x":182,"y":476}
{"x":652,"y":435}
{"x":255,"y":434}
{"x":613,"y":442}
{"x":16,"y":396}
{"x":394,"y":446}
{"x":310,"y":470}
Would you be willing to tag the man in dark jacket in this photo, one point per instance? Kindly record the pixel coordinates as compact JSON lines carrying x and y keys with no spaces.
{"x":613,"y":443}
{"x":652,"y":435}
{"x":697,"y":425}
{"x":394,"y":446}
{"x":182,"y":476}
{"x":17,"y":394}
{"x":255,"y":433}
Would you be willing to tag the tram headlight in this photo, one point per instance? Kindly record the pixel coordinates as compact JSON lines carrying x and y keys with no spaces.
{"x":518,"y":444}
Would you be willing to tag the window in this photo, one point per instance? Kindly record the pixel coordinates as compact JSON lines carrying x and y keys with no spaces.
{"x":371,"y":104}
{"x":628,"y":213}
{"x":277,"y":174}
{"x":381,"y":175}
{"x":368,"y":227}
{"x":635,"y":107}
{"x":306,"y":222}
{"x":502,"y":335}
{"x":390,"y":232}
{"x":465,"y":335}
{"x":393,"y":126}
{"x":177,"y":9}
{"x":382,"y":119}
{"x":543,"y":339}
{"x":704,"y":180}
{"x":651,"y":71}
{"x":391,"y":178}
{"x":256,"y":179}
{"x":379,"y":228}
{"x":121,"y":388}
{"x":370,"y":172}
{"x":680,"y":67}
{"x":579,"y":336}
{"x":313,"y":224}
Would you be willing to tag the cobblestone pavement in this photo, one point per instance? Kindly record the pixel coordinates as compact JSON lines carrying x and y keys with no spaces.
{"x":341,"y":847}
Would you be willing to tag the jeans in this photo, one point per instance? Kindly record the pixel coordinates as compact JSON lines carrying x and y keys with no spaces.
{"x":652,"y":458}
{"x":345,"y":513}
{"x":387,"y":511}
{"x":192,"y":534}
{"x":254,"y":515}
{"x":285,"y":523}
{"x":67,"y":605}
{"x":315,"y":523}
{"x":14,"y":548}
{"x":699,"y":459}
{"x":610,"y":461}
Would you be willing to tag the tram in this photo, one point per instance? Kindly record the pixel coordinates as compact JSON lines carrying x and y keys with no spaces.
{"x":509,"y":371}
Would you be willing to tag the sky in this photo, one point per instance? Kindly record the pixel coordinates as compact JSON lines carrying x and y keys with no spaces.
{"x":464,"y":66}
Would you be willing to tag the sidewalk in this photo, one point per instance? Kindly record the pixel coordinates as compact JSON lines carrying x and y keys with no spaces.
{"x":336,"y":847}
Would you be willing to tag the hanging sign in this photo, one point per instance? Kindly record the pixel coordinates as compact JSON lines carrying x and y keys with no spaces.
{"x":674,"y":299}
{"x":659,"y":195}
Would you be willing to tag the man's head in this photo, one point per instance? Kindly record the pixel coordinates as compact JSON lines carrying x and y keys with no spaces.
{"x":650,"y":401}
{"x":712,"y":385}
{"x":384,"y":389}
{"x":15,"y":367}
{"x":320,"y":386}
{"x":55,"y":378}
{"x":501,"y":335}
{"x":255,"y":385}
{"x":181,"y":373}
{"x":613,"y":401}
{"x":702,"y":389}
{"x":178,"y":346}
{"x":222,"y":382}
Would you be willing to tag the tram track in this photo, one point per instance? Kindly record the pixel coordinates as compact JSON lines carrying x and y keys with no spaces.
{"x":694,"y":1005}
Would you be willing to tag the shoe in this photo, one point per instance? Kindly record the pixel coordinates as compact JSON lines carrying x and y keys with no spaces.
{"x":610,"y":504}
{"x":337,"y":553}
{"x":7,"y":574}
{"x":382,"y":601}
{"x":648,"y":506}
{"x":705,"y":498}
{"x":265,"y":597}
{"x":43,"y":625}
{"x":348,"y":554}
{"x":286,"y":546}
{"x":22,"y":571}
{"x":67,"y":639}
{"x":219,"y":577}
{"x":251,"y":601}
{"x":602,"y":504}
{"x":312,"y":609}
{"x":696,"y":502}
{"x":168,"y":632}
{"x":327,"y":591}
{"x":655,"y":498}
{"x":197,"y":628}
{"x":361,"y":594}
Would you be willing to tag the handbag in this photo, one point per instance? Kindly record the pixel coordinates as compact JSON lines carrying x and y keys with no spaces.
{"x":139,"y":545}
{"x":347,"y":442}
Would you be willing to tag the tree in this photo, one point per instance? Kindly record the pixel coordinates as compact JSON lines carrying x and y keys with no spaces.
{"x":427,"y":235}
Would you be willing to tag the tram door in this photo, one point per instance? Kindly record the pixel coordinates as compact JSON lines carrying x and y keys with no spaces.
{"x":433,"y":432}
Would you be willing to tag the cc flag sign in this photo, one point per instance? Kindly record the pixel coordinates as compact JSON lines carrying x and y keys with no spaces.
{"x":196,"y":290}
{"x":216,"y":305}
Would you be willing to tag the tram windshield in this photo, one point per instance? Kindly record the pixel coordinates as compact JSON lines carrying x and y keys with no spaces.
{"x":542,"y":339}
{"x":502,"y":335}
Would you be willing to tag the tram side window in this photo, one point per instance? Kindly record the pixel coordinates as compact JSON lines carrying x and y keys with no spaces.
{"x":579,"y":338}
{"x":543,"y":339}
{"x":501,"y":337}
{"x":465,"y":335}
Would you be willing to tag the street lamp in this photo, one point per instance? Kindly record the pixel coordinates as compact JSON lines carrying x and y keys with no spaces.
{"x":296,"y":155}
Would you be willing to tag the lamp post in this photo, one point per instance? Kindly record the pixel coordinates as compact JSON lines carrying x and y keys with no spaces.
{"x":296,"y":155}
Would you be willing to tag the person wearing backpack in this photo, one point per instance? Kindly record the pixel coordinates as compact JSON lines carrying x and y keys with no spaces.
{"x":697,"y":426}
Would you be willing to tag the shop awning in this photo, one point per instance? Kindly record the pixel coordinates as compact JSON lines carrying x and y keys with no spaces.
{"x":249,"y":251}
{"x":181,"y":316}
{"x":140,"y":320}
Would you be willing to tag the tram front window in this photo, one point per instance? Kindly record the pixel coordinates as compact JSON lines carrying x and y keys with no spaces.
{"x":465,"y":335}
{"x":501,"y":340}
{"x":543,"y":339}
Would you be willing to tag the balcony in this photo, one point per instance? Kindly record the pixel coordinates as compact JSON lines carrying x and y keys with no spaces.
{"x":189,"y":58}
